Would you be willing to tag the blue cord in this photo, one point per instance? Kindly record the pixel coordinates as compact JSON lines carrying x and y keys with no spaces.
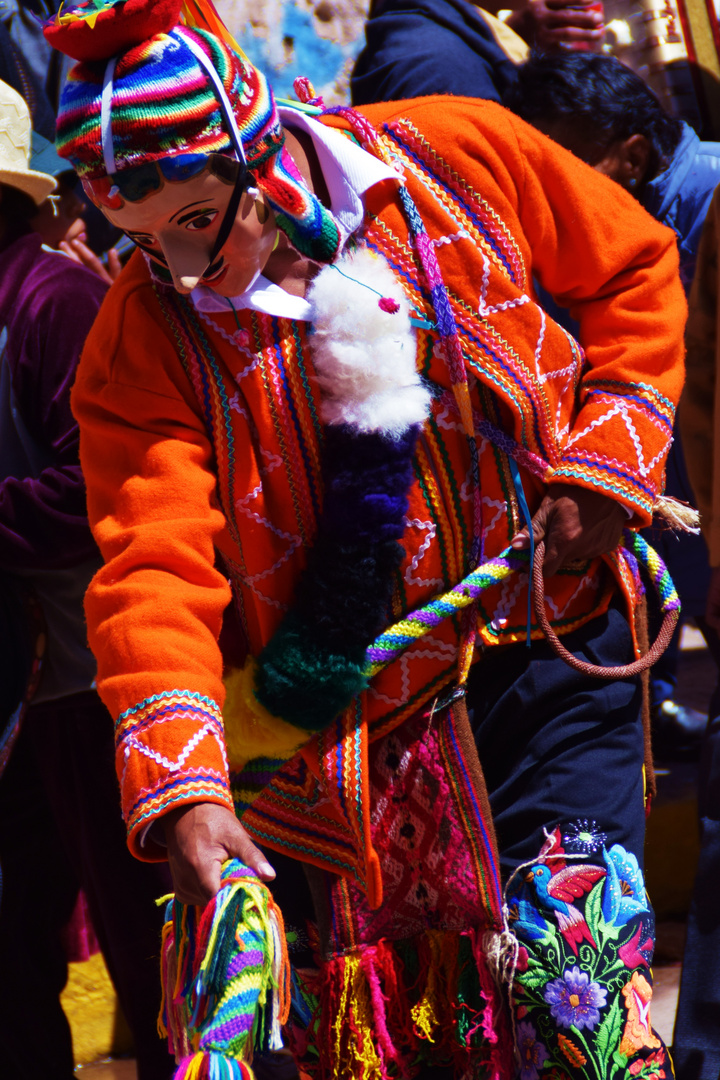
{"x":527,"y":516}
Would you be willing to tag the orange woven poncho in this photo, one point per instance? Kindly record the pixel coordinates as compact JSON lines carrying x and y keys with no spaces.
{"x":197,"y":440}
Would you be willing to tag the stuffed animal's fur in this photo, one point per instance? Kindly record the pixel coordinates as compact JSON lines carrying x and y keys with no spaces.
{"x":365,"y":356}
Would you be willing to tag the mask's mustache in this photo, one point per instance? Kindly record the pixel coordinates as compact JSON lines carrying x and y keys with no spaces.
{"x":212,"y":270}
{"x":156,"y":255}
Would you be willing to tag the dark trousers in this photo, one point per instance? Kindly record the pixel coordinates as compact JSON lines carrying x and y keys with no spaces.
{"x":686,"y":557}
{"x":556,"y":745}
{"x":60,"y":828}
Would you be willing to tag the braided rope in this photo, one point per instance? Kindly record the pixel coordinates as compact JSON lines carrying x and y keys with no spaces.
{"x":393,"y":641}
{"x":658,"y":571}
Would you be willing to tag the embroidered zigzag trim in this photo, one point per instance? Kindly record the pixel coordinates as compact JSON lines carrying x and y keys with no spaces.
{"x":191,"y":763}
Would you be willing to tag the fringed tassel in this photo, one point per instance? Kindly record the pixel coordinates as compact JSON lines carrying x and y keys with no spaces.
{"x":382,"y":1007}
{"x":382,"y":972}
{"x":281,"y":978}
{"x":226,"y":979}
{"x":171,"y":1023}
{"x":433,"y":1015}
{"x":213,"y":1067}
{"x":677,"y":515}
{"x":347,"y":1033}
{"x":496,"y":958}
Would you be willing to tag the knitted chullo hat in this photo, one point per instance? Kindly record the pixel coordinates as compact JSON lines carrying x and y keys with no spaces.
{"x":165,"y":109}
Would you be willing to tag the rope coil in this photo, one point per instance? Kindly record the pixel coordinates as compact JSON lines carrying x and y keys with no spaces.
{"x":670,"y":607}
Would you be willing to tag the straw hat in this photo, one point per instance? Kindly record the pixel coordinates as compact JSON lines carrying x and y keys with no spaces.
{"x":15,"y":131}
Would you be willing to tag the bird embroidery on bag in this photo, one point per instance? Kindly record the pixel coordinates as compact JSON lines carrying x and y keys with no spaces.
{"x":556,"y":888}
{"x":555,"y":893}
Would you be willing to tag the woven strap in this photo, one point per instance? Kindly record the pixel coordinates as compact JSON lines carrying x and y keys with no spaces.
{"x":637,"y":552}
{"x":624,"y":671}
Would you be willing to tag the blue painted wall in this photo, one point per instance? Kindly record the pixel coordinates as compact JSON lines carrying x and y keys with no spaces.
{"x":293,"y":48}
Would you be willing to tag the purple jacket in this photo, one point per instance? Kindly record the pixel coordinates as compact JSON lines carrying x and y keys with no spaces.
{"x":47,"y":305}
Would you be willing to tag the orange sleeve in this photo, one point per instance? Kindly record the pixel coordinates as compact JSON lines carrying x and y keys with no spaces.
{"x":154,"y":610}
{"x":598,"y":253}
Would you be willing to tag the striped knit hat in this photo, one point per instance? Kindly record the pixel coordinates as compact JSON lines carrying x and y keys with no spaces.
{"x":164,"y":105}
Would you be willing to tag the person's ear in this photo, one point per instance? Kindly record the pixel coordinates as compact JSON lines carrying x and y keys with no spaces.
{"x":634,"y":154}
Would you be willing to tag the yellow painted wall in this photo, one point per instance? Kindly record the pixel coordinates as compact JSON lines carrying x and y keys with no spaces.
{"x":97,"y":1024}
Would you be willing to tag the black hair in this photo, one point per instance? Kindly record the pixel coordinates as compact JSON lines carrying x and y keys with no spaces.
{"x":591,"y":102}
{"x":16,"y":207}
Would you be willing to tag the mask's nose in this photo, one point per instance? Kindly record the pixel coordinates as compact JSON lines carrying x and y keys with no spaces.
{"x":187,"y":260}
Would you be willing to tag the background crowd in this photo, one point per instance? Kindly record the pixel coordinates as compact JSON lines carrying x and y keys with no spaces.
{"x":59,"y":821}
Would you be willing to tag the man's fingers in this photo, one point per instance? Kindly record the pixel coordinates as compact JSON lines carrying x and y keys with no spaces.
{"x":520,"y":541}
{"x":200,"y":838}
{"x":584,"y":15}
{"x":553,"y":560}
{"x":579,"y":25}
{"x":575,"y":34}
{"x":572,"y":17}
{"x":195,"y":885}
{"x":114,"y":266}
{"x":564,"y":36}
{"x":90,"y":260}
{"x":208,"y":880}
{"x":243,"y":848}
{"x":66,"y":247}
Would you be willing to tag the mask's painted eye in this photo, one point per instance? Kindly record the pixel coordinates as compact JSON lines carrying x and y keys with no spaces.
{"x":203,"y":221}
{"x":142,"y":239}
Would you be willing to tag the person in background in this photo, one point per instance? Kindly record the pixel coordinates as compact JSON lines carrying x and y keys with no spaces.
{"x":18,"y":73}
{"x":60,"y":219}
{"x":697,"y":1027}
{"x":607,"y":116}
{"x":59,"y":825}
{"x":22,"y":20}
{"x":418,"y":47}
{"x":604,"y":113}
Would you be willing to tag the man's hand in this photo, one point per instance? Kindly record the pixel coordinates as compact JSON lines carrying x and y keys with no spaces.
{"x":552,"y":24}
{"x":79,"y":252}
{"x":200,"y":838}
{"x":712,"y":607}
{"x":575,"y":523}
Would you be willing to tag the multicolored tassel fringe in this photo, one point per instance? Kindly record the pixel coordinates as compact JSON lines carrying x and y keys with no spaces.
{"x":226,"y":979}
{"x":212,"y":1066}
{"x":381,"y":1009}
